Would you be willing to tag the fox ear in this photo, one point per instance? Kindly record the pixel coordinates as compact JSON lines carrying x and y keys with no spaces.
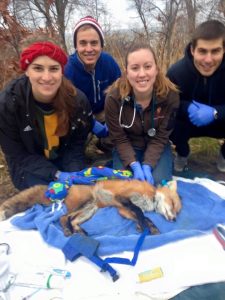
{"x":172,"y":185}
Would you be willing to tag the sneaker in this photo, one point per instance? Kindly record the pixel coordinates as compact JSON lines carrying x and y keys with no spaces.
{"x":180,"y":163}
{"x":221,"y":163}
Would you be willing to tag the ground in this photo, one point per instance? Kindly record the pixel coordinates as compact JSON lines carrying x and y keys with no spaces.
{"x":202,"y":162}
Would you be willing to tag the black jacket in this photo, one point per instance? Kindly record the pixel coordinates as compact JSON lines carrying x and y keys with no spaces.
{"x":194,"y":86}
{"x":21,"y":143}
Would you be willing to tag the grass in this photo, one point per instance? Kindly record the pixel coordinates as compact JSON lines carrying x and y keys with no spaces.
{"x":205,"y":148}
{"x":204,"y":155}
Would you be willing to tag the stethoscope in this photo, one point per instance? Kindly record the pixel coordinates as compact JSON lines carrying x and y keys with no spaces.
{"x":151,"y":131}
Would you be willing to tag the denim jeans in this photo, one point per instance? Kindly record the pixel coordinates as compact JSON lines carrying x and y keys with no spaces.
{"x":163,"y":169}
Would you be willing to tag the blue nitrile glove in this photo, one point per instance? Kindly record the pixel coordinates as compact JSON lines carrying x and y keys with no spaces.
{"x":200,"y":114}
{"x":192,"y":110}
{"x":148,"y":173}
{"x":99,"y":129}
{"x":137,"y":171}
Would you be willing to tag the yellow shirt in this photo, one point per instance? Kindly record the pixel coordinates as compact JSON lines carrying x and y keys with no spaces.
{"x":47,"y":122}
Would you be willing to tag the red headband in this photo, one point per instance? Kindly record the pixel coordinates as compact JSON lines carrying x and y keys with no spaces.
{"x":42,"y":48}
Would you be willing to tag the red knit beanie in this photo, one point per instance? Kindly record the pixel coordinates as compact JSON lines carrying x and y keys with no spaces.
{"x":88,"y":20}
{"x":39,"y":49}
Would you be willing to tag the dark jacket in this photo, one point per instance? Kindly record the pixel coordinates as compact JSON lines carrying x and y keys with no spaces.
{"x":93,"y":84}
{"x":194,"y":86}
{"x":126,"y":139}
{"x":21,"y":142}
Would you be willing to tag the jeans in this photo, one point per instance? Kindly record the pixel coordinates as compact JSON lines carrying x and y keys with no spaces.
{"x":163,"y":169}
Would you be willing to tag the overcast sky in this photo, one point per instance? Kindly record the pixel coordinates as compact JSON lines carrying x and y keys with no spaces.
{"x":122,"y":16}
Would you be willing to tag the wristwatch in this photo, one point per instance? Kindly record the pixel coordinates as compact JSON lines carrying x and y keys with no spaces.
{"x":215,"y":113}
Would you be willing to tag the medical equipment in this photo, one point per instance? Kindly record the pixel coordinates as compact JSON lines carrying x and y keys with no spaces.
{"x":151,"y":131}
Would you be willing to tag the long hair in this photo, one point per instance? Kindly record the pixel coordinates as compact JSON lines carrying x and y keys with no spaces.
{"x":162,"y":84}
{"x":64,"y":102}
{"x":65,"y":106}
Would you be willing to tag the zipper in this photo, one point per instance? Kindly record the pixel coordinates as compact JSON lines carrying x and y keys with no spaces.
{"x":94,"y":87}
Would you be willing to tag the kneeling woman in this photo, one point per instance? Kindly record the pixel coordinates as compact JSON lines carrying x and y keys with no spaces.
{"x":44,"y":119}
{"x":140,"y":112}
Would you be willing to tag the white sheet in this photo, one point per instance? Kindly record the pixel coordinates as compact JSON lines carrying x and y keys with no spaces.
{"x":185,"y":263}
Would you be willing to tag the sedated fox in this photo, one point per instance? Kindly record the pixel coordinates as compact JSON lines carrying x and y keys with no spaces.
{"x":130,"y":197}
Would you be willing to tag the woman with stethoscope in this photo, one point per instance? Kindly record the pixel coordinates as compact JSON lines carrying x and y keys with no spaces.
{"x":140,"y":110}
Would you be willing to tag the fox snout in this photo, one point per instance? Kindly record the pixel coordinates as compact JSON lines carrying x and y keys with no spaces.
{"x":167,"y":203}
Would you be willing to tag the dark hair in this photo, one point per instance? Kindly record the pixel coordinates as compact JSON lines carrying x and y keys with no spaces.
{"x":162,"y":84}
{"x":208,"y":30}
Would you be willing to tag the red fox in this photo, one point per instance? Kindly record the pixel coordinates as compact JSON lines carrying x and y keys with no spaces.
{"x":130,"y":197}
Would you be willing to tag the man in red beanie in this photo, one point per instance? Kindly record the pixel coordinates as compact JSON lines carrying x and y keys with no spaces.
{"x":90,"y":68}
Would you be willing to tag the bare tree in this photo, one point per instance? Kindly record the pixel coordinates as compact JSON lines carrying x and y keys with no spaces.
{"x":167,"y":24}
{"x":50,"y":14}
{"x":94,"y":8}
{"x":221,"y":7}
{"x":170,"y":15}
{"x":161,"y":16}
{"x":12,"y":31}
{"x":191,"y":15}
{"x":144,"y":9}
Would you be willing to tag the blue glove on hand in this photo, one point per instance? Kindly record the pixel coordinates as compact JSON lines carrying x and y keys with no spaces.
{"x":148,"y":173}
{"x":192,"y":109}
{"x":200,"y":114}
{"x":100,"y":130}
{"x":137,"y":171}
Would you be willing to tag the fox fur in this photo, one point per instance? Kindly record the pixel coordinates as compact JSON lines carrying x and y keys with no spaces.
{"x":130,"y":197}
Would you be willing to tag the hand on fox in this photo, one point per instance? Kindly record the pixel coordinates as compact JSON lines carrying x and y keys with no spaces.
{"x":142,"y":172}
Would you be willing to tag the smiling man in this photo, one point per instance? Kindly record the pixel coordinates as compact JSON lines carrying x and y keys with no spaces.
{"x":200,"y":77}
{"x":90,"y":68}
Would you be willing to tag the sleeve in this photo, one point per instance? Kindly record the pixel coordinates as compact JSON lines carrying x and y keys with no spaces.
{"x":116,"y":132}
{"x":74,"y":156}
{"x":69,"y":70}
{"x":177,"y":78}
{"x":15,"y":150}
{"x":157,"y":144}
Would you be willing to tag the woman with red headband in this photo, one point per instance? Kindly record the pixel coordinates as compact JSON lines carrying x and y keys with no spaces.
{"x":44,"y":119}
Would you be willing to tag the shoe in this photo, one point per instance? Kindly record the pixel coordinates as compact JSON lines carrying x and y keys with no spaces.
{"x":221,"y":163}
{"x":180,"y":163}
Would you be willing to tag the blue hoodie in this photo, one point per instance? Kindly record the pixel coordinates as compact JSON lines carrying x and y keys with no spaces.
{"x":93,"y":84}
{"x":194,"y":86}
